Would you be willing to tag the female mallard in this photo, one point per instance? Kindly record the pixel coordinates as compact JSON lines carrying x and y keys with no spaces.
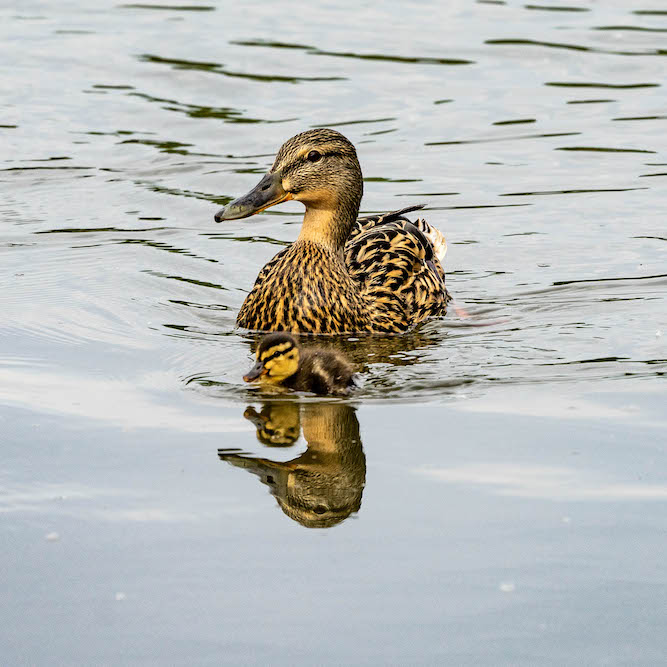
{"x":342,"y":275}
{"x":280,"y":361}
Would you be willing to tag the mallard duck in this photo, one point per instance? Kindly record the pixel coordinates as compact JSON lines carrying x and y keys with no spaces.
{"x":280,"y":361}
{"x":342,"y":275}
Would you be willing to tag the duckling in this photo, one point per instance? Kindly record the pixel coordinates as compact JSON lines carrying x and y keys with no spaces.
{"x":280,"y":361}
{"x":378,"y":274}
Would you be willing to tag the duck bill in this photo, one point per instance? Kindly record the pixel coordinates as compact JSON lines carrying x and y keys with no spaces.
{"x":268,"y":192}
{"x":255,"y":372}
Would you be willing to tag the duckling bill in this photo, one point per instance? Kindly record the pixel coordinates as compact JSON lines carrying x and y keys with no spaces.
{"x":281,"y":361}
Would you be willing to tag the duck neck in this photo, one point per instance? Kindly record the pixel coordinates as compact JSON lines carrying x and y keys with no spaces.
{"x":330,"y":226}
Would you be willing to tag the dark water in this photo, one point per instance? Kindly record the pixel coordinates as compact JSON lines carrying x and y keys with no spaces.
{"x":491,"y":495}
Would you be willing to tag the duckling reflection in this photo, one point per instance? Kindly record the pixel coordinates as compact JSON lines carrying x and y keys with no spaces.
{"x":278,"y":425}
{"x":323,"y":486}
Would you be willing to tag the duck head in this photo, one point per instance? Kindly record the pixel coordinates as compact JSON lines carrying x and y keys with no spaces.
{"x":319,"y":168}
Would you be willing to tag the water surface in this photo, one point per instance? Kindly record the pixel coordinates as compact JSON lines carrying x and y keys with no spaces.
{"x":495,"y":491}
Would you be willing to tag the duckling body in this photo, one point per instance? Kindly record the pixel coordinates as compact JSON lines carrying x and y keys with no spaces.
{"x":281,"y":361}
{"x":342,"y":275}
{"x":323,"y":371}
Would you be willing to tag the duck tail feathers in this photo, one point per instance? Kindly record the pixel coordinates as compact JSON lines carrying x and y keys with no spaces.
{"x":435,"y":237}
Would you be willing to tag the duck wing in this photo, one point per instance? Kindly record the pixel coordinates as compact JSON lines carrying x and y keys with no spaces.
{"x":434,"y":235}
{"x":396,"y":263}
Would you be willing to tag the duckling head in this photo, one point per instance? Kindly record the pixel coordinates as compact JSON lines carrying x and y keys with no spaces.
{"x":277,"y":359}
{"x":319,"y":168}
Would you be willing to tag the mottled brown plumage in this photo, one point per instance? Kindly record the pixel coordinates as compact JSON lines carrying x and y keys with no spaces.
{"x":281,"y":361}
{"x":342,"y":275}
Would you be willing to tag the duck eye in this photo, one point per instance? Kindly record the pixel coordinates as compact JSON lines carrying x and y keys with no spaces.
{"x":313,"y":156}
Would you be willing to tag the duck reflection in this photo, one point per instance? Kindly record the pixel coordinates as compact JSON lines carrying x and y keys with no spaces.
{"x":323,"y":486}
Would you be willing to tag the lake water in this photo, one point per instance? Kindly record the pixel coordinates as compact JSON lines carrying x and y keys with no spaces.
{"x":496,"y":491}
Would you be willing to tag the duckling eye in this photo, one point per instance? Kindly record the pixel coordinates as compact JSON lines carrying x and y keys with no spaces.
{"x":313,"y":156}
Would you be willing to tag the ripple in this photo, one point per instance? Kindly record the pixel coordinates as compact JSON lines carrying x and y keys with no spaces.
{"x":216,"y":68}
{"x":382,"y":179}
{"x":637,"y":28}
{"x":575,"y":191}
{"x":635,"y":118}
{"x":658,"y":279}
{"x":64,"y":168}
{"x":95,"y":230}
{"x":606,"y":360}
{"x":227,"y":114}
{"x":573,"y":47}
{"x":356,"y":122}
{"x":182,"y":279}
{"x":614,"y":86}
{"x":426,"y":194}
{"x":199,"y":306}
{"x":599,"y":149}
{"x":383,"y":57}
{"x":519,"y":121}
{"x":171,"y":8}
{"x":164,"y":146}
{"x":159,"y":245}
{"x":103,"y":86}
{"x":221,"y":200}
{"x":589,"y":101}
{"x":474,"y":206}
{"x":545,"y":135}
{"x":257,"y":238}
{"x":557,"y":8}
